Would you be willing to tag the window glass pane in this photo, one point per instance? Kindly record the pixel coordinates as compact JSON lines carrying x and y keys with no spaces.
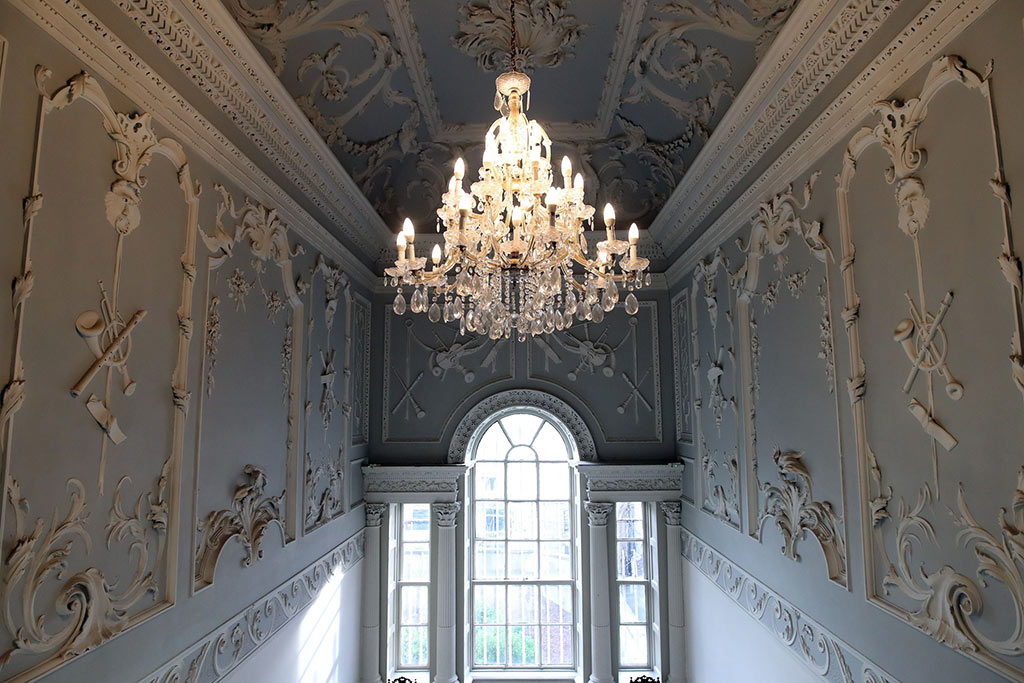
{"x":522,"y":453}
{"x":414,"y":605}
{"x":632,"y":603}
{"x":521,"y":428}
{"x":415,"y":562}
{"x":413,"y":648}
{"x":633,"y":646}
{"x":554,"y":481}
{"x":490,"y":520}
{"x":493,"y":445}
{"x":554,"y":521}
{"x":628,"y":511}
{"x":489,"y":604}
{"x":522,"y":521}
{"x":556,"y":645}
{"x":630,"y":528}
{"x":489,"y":645}
{"x":522,"y":560}
{"x":522,"y":604}
{"x":631,"y":560}
{"x":522,"y":481}
{"x":415,"y":522}
{"x":556,"y":605}
{"x":549,"y":444}
{"x":490,"y":480}
{"x":522,"y":645}
{"x":555,"y":560}
{"x":490,"y":560}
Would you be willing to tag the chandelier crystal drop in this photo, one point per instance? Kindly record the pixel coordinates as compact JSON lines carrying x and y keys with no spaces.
{"x":515,"y":252}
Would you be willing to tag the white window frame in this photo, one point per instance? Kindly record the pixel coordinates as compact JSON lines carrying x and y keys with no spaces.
{"x":649,"y":581}
{"x":418,"y":673}
{"x":475,"y":671}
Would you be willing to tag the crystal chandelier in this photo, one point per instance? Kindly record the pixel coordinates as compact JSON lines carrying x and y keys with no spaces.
{"x":515,"y":252}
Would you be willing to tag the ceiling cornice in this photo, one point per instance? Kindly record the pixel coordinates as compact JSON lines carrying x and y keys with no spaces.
{"x":109,"y":57}
{"x":410,"y":47}
{"x":926,"y":35}
{"x":817,"y":41}
{"x":219,"y":58}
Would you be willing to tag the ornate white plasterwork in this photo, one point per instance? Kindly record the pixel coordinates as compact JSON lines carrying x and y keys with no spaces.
{"x":630,"y":483}
{"x":820,"y":650}
{"x":109,"y":57}
{"x":943,"y":601}
{"x":96,"y":606}
{"x":549,"y":406}
{"x":213,"y":656}
{"x":360,"y":368}
{"x":251,"y":513}
{"x":411,"y":483}
{"x":681,"y":363}
{"x":546,"y":33}
{"x":925,"y":36}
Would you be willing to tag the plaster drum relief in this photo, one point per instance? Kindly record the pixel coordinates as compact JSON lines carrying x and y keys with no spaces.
{"x":935,"y":342}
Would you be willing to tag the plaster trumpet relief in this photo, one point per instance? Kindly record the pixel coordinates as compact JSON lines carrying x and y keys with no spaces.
{"x":922,"y":583}
{"x":93,"y":605}
{"x":251,"y":513}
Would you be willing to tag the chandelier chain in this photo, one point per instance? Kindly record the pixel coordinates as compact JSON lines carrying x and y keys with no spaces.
{"x":513,"y":57}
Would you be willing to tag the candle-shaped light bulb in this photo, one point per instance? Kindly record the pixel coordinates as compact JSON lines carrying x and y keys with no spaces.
{"x":552,"y":201}
{"x":400,"y":241}
{"x":435,"y":254}
{"x":460,"y":168}
{"x":566,"y":170}
{"x":410,"y":236}
{"x":452,"y":184}
{"x":634,"y":234}
{"x":465,"y":204}
{"x":609,"y":215}
{"x":577,"y":182}
{"x":517,"y":216}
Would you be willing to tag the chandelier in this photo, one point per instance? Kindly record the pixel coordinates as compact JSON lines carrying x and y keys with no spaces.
{"x":515,"y":254}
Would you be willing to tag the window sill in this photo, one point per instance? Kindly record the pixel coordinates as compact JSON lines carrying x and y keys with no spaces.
{"x":524,"y":676}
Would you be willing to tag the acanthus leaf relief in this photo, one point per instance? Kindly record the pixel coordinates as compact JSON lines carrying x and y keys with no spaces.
{"x":922,"y":584}
{"x":251,"y":512}
{"x":546,"y":32}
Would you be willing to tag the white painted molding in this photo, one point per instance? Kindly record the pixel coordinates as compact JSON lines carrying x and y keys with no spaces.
{"x":925,"y":36}
{"x":412,"y":483}
{"x":817,"y":648}
{"x":214,"y":655}
{"x":108,"y":57}
{"x":3,"y":64}
{"x":628,"y":483}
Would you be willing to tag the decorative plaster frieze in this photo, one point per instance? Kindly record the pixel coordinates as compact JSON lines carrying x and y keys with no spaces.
{"x":611,"y":483}
{"x":250,"y":514}
{"x":924,"y":37}
{"x":110,"y":58}
{"x":820,"y":650}
{"x":217,"y":653}
{"x":468,"y":430}
{"x":411,"y":483}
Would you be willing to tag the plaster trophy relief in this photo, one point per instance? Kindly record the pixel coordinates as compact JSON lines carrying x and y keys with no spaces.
{"x":547,"y":33}
{"x":251,"y":512}
{"x":681,"y":362}
{"x":790,"y":503}
{"x":94,"y":598}
{"x":326,"y":431}
{"x":922,"y":580}
{"x":714,"y":374}
{"x":615,"y":354}
{"x":360,"y":394}
{"x":268,"y":315}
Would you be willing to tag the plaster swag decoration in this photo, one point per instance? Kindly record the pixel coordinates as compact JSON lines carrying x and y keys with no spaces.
{"x":821,"y":651}
{"x":93,"y":605}
{"x":792,"y":507}
{"x":547,"y":33}
{"x":942,"y":601}
{"x":251,"y":513}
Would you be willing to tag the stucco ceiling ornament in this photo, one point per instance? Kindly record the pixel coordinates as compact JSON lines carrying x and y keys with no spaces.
{"x":546,"y":33}
{"x":514,"y":245}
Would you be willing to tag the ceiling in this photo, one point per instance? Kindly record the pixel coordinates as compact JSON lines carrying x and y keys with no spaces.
{"x":629,"y":90}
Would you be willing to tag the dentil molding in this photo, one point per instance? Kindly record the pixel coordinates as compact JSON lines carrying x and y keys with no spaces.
{"x":221,"y":650}
{"x":820,"y":650}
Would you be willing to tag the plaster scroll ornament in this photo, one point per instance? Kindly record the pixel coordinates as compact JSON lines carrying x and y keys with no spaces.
{"x":792,"y":507}
{"x":546,"y":33}
{"x":944,"y":602}
{"x":250,"y":514}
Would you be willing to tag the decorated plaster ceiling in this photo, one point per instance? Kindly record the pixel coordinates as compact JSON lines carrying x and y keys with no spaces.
{"x":629,"y":90}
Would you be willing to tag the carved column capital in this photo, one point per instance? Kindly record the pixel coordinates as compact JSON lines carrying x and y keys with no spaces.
{"x":445,"y":513}
{"x":598,"y":513}
{"x":671,"y":510}
{"x":374,"y":512}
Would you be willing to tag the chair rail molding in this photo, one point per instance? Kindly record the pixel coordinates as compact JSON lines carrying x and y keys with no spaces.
{"x":924,"y":37}
{"x":820,"y":650}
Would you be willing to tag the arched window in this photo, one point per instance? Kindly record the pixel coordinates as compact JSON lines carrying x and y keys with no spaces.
{"x":523,"y":559}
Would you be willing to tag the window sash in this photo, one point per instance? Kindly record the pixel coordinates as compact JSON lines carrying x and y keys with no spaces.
{"x":636,"y":532}
{"x":400,"y":627}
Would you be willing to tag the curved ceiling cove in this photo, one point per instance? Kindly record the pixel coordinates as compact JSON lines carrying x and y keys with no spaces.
{"x":630,"y":90}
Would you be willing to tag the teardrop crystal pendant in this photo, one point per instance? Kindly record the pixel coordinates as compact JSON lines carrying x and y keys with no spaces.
{"x":632,"y":305}
{"x":596,"y":314}
{"x":434,"y":313}
{"x":399,"y":304}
